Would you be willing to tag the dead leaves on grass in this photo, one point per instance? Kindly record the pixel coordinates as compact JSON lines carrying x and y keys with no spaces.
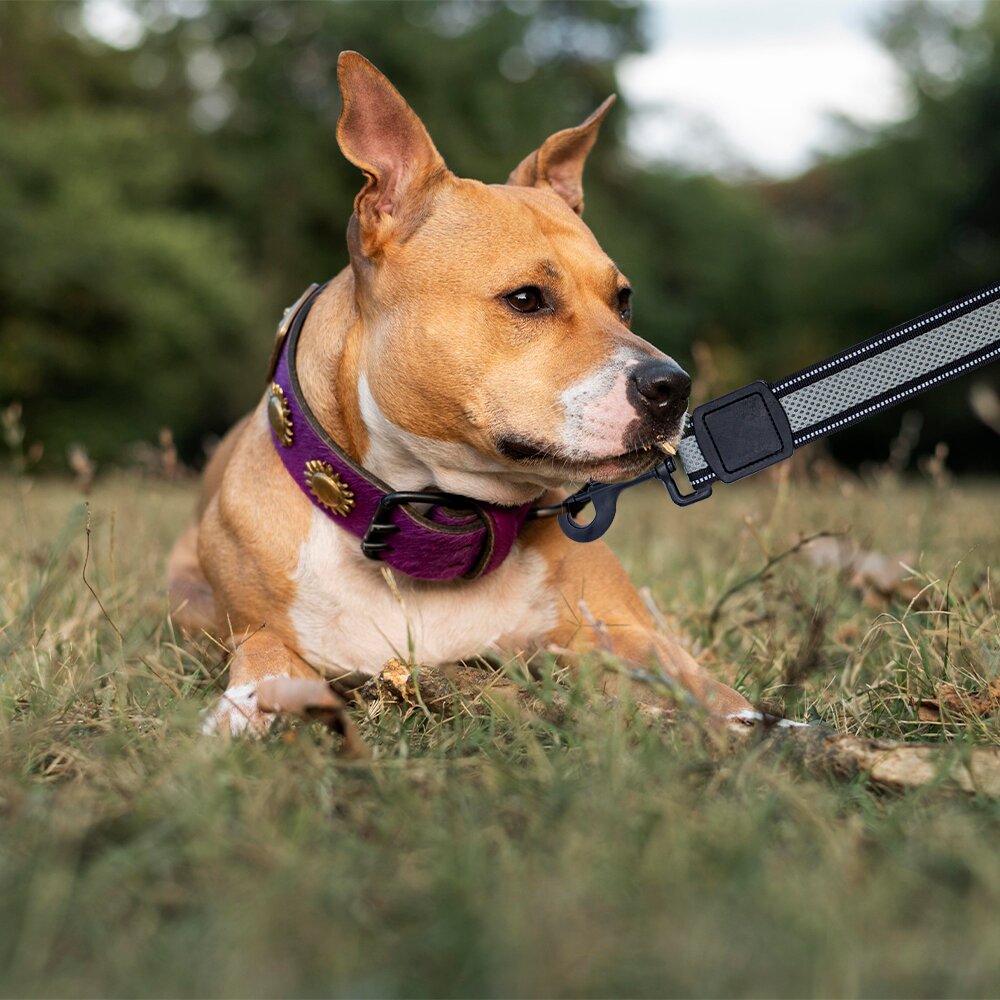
{"x":314,"y":701}
{"x":467,"y":687}
{"x":884,"y":764}
{"x":393,"y":684}
{"x":459,"y":687}
{"x":891,"y":765}
{"x":950,"y":700}
{"x":877,"y":577}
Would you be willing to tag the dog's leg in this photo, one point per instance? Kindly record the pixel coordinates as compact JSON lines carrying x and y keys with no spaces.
{"x":260,"y":656}
{"x":192,"y":603}
{"x":191,"y":599}
{"x":601,"y":610}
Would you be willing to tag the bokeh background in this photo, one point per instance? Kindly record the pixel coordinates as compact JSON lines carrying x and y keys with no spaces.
{"x":170,"y":180}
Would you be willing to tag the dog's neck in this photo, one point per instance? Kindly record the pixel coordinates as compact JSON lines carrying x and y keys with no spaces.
{"x":330,"y":372}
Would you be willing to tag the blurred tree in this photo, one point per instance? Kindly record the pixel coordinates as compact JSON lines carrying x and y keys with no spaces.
{"x":121,"y":315}
{"x":121,"y":311}
{"x":164,"y":199}
{"x":170,"y":179}
{"x":907,"y":222}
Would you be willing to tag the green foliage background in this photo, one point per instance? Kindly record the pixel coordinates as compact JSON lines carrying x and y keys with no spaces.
{"x":161,"y":203}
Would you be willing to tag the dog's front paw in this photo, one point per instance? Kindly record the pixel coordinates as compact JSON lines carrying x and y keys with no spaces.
{"x":237,"y":712}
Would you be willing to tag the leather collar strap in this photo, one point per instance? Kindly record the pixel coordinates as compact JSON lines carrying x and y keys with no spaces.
{"x":454,"y":537}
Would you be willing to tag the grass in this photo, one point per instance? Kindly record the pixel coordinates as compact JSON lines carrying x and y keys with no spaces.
{"x":499,"y":851}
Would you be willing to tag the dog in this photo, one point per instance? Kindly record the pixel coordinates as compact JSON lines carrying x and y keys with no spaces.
{"x":479,"y":343}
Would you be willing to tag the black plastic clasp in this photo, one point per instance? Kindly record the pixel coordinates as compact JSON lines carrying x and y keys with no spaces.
{"x":604,"y":497}
{"x":743,"y":432}
{"x":381,"y":525}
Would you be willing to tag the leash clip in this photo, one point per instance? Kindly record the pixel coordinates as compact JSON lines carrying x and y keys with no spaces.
{"x":604,"y":497}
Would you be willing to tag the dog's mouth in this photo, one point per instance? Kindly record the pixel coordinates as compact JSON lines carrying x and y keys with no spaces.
{"x":557,"y":464}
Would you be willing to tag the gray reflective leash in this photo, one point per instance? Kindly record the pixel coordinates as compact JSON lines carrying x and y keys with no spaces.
{"x":738,"y":434}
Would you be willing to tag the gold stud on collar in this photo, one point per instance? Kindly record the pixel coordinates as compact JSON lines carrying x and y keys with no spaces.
{"x":280,"y":415}
{"x":328,"y":488}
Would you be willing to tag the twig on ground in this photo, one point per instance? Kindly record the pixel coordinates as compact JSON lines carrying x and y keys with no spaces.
{"x":83,"y":573}
{"x":713,"y":618}
{"x":888,"y":764}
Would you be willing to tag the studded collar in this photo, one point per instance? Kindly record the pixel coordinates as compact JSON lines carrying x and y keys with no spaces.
{"x":450,"y":538}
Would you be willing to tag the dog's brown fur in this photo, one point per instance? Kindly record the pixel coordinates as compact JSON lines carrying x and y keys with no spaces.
{"x":418,"y":367}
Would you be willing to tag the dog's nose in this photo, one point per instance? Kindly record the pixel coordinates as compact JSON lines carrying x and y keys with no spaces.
{"x":663,"y":385}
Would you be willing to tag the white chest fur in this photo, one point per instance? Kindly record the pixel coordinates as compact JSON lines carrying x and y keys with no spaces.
{"x":348,"y":618}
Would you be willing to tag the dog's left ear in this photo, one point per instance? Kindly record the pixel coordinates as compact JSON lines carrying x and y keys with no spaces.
{"x":382,"y":135}
{"x":558,"y":162}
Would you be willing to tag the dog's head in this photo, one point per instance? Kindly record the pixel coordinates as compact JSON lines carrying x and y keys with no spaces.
{"x":498,"y":353}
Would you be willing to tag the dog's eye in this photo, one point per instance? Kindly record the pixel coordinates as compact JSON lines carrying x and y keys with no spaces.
{"x":625,"y":304}
{"x":526,"y":300}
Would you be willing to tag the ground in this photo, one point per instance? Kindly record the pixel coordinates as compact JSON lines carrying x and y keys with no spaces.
{"x":565,"y":848}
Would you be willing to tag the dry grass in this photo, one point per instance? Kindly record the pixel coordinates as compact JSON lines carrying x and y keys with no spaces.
{"x":490,"y":849}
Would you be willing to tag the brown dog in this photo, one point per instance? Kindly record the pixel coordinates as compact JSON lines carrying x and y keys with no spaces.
{"x":479,"y":344}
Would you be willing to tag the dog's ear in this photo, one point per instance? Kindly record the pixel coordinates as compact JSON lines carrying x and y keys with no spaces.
{"x":380,"y":134}
{"x":558,"y":162}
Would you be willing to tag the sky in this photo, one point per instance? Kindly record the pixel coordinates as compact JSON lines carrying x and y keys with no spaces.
{"x":730,"y":84}
{"x":727,"y":85}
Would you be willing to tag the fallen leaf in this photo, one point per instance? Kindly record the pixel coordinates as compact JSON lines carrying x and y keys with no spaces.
{"x":985,"y":701}
{"x":393,"y":683}
{"x":871,"y":573}
{"x":315,"y":701}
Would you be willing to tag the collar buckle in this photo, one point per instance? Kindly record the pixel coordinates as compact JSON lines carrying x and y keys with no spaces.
{"x":374,"y":543}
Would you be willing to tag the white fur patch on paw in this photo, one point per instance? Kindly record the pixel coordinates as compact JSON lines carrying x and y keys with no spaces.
{"x":236,"y":712}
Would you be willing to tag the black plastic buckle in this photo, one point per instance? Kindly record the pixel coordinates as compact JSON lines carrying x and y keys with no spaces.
{"x":743,"y":432}
{"x":374,"y":544}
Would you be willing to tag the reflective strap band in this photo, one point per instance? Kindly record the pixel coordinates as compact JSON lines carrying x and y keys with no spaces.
{"x":693,"y":460}
{"x":879,"y":373}
{"x":904,"y":331}
{"x":942,"y":351}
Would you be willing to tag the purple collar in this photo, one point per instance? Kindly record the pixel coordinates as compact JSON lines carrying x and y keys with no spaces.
{"x":455,"y":537}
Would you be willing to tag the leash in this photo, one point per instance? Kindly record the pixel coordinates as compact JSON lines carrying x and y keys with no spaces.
{"x":755,"y":427}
